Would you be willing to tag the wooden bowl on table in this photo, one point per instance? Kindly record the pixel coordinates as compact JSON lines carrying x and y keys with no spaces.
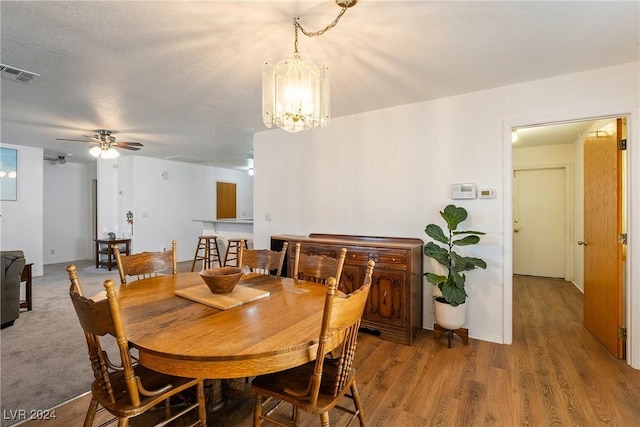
{"x":221,"y":280}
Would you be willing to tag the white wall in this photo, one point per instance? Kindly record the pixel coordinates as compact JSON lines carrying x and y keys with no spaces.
{"x":544,"y":156}
{"x":67,"y":203}
{"x":21,"y":224}
{"x":388,"y":172}
{"x":109,"y":220}
{"x":165,"y":197}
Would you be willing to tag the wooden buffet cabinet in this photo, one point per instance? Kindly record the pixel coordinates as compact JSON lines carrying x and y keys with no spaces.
{"x":394,"y":308}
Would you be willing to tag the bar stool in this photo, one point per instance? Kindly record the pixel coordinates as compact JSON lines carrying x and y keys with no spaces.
{"x":231,"y":254}
{"x":209,"y":246}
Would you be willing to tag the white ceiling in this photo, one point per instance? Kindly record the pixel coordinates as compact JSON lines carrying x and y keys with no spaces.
{"x":183,"y":77}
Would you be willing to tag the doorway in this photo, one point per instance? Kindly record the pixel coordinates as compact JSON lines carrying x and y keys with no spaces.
{"x":225,"y":200}
{"x":536,"y":189}
{"x":541,"y":222}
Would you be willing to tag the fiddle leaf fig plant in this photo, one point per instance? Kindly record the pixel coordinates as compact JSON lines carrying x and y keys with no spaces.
{"x":453,"y":284}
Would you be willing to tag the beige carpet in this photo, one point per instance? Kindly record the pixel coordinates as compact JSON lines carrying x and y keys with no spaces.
{"x":43,"y":356}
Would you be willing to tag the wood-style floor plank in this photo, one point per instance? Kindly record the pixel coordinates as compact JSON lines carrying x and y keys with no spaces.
{"x":554,"y":374}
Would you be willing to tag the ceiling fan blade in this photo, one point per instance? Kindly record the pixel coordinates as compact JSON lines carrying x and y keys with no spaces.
{"x":131,"y":144}
{"x":126,"y":147}
{"x":76,"y":140}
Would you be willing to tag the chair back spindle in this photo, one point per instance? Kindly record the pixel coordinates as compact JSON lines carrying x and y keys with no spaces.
{"x":262,"y":261}
{"x":340,"y":314}
{"x":317,"y":268}
{"x":146,"y":264}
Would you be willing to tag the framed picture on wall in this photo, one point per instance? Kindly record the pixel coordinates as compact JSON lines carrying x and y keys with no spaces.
{"x":8,"y":174}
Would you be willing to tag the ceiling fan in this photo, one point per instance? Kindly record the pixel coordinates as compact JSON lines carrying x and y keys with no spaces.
{"x":105,"y":142}
{"x":58,"y":159}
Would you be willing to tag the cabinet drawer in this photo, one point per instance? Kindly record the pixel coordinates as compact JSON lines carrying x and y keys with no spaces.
{"x":359,"y":255}
{"x":330,"y":251}
{"x":382,"y":257}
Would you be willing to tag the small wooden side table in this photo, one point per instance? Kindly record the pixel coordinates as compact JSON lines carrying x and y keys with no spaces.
{"x":104,"y":247}
{"x":28,"y":279}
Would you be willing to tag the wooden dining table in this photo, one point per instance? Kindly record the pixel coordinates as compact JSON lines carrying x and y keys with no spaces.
{"x":181,"y":337}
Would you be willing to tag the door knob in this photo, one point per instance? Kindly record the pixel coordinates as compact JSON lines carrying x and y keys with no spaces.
{"x":583,"y":242}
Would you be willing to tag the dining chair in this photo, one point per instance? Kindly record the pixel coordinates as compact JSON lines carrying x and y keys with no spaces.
{"x":318,"y":386}
{"x":318,"y":268}
{"x":262,"y":261}
{"x":128,"y":389}
{"x":146,"y":264}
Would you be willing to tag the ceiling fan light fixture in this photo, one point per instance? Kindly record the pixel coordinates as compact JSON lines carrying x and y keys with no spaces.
{"x":295,"y":91}
{"x":95,"y":151}
{"x":109,"y":153}
{"x":104,"y":152}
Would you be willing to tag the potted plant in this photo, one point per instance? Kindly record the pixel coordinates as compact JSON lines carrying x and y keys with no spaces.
{"x":449,"y":308}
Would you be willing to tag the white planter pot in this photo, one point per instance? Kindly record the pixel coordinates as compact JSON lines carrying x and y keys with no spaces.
{"x":435,"y":291}
{"x":449,"y":317}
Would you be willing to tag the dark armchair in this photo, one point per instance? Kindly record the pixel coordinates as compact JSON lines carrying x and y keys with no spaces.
{"x":12,"y":266}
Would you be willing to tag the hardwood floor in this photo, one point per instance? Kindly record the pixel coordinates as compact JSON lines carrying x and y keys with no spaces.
{"x":554,"y":374}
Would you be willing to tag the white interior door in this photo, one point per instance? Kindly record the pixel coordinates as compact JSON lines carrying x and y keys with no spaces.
{"x":539,"y":229}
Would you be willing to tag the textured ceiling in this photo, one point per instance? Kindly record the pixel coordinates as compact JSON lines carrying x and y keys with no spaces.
{"x":184,"y":77}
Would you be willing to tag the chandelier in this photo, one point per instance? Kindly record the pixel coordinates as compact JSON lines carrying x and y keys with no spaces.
{"x":295,"y":91}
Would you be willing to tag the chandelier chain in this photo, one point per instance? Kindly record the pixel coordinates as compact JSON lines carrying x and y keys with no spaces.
{"x":297,"y":26}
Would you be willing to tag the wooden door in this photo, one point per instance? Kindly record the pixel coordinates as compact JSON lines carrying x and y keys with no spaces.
{"x":539,"y":229}
{"x":225,"y":200}
{"x":602,"y":250}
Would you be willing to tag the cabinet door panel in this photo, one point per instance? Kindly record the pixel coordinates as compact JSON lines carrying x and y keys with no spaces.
{"x":386,"y":296}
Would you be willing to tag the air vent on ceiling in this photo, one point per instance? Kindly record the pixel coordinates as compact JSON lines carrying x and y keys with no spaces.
{"x":13,"y":73}
{"x":185,"y":159}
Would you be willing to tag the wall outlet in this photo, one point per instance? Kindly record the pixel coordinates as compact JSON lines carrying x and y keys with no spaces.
{"x":53,"y":251}
{"x":267,"y":217}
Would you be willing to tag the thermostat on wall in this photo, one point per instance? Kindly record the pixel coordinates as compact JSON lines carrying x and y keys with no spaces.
{"x":463,"y":191}
{"x":486,"y":193}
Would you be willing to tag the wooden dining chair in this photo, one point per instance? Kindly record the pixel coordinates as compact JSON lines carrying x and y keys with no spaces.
{"x":146,"y":264}
{"x":318,"y":386}
{"x":262,"y":261}
{"x":317,"y":268}
{"x":128,"y":389}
